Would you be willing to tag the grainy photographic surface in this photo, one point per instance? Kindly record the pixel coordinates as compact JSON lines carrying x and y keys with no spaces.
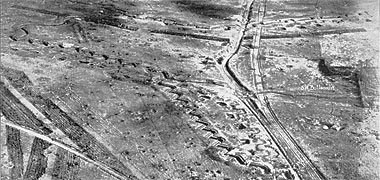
{"x":190,"y":89}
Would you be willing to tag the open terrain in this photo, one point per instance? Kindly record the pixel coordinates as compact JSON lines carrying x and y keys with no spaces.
{"x":190,"y":89}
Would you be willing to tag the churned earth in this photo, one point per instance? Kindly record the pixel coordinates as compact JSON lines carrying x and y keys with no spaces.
{"x":190,"y":89}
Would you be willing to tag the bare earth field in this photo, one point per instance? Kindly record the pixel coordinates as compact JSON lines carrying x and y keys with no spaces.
{"x":190,"y":89}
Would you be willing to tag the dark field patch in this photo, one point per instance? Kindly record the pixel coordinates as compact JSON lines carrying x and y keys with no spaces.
{"x":206,"y":9}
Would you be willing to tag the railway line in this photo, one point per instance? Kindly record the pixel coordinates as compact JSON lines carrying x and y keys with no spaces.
{"x":259,"y":105}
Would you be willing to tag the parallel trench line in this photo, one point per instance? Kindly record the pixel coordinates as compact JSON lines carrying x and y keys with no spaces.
{"x":46,"y":137}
